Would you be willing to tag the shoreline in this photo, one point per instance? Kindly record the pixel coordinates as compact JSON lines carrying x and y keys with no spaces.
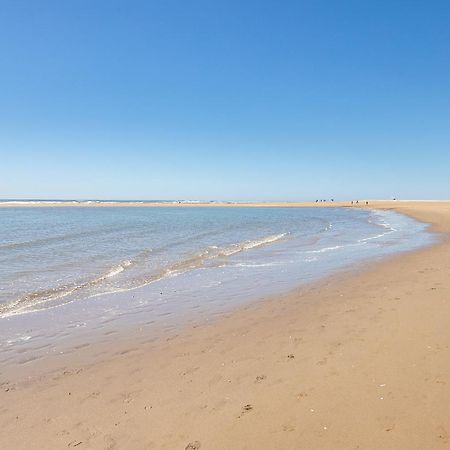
{"x":291,"y":370}
{"x":132,"y":333}
{"x":204,"y":204}
{"x":34,"y":339}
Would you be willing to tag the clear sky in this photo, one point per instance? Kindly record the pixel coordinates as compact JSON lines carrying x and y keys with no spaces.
{"x":245,"y":100}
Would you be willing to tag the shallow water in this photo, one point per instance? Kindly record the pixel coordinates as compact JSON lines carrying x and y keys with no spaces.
{"x":67,"y":270}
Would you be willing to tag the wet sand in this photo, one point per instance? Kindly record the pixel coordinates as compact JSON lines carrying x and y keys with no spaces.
{"x":358,"y":361}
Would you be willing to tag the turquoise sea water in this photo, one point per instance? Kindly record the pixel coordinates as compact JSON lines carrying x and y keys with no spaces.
{"x":67,"y":267}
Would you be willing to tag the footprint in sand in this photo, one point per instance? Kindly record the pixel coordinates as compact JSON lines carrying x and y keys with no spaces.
{"x":245,"y":409}
{"x":193,"y":445}
{"x":443,"y":434}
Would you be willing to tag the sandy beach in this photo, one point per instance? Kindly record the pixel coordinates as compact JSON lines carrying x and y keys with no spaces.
{"x":357,"y":361}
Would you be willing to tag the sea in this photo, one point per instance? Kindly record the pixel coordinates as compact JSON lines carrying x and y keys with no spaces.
{"x":73,"y":271}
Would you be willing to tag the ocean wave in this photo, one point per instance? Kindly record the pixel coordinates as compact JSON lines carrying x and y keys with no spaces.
{"x":248,"y":245}
{"x":30,"y":202}
{"x":325,"y":249}
{"x":381,"y":221}
{"x":213,"y":252}
{"x":59,"y":292}
{"x":117,"y":269}
{"x":41,"y":242}
{"x":250,"y":265}
{"x":377,"y":236}
{"x":198,"y":260}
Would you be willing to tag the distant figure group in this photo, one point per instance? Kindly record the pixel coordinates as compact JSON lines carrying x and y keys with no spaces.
{"x":353,"y":202}
{"x":357,"y":202}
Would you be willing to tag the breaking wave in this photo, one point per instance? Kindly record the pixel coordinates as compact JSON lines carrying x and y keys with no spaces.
{"x":63,"y":294}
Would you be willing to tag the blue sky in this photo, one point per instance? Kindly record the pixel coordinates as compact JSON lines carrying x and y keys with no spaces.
{"x":248,"y":100}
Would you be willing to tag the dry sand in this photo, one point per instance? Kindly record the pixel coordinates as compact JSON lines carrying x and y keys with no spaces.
{"x":360,"y":361}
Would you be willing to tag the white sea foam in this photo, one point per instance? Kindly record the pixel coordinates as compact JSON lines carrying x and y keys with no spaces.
{"x":33,"y":299}
{"x":117,"y":269}
{"x":26,"y":202}
{"x":378,"y":236}
{"x":272,"y":264}
{"x":325,"y":249}
{"x":248,"y":245}
{"x":18,"y":339}
{"x":29,"y":302}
